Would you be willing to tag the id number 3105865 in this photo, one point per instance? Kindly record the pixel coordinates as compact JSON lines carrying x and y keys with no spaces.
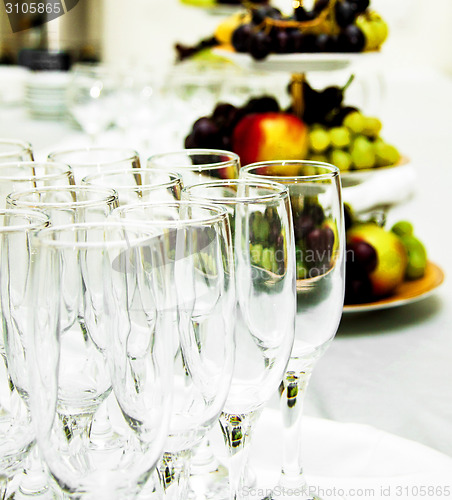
{"x":33,"y":8}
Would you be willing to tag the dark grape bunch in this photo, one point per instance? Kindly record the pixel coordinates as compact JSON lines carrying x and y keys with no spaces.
{"x":361,"y":261}
{"x":329,"y":27}
{"x":266,"y":241}
{"x":325,"y":106}
{"x":314,"y":238}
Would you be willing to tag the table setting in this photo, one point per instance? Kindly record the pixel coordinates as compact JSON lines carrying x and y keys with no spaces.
{"x":212,"y":287}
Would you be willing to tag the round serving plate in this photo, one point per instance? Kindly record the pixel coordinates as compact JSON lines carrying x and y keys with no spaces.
{"x":297,"y":62}
{"x":406,"y":293}
{"x":358,"y":176}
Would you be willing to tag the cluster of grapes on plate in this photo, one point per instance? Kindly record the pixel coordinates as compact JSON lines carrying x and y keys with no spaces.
{"x":266,"y":241}
{"x":331,"y":26}
{"x":341,"y":134}
{"x":314,"y":238}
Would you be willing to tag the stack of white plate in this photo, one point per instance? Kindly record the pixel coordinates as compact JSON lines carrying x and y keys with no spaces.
{"x":45,"y":94}
{"x":12,"y":84}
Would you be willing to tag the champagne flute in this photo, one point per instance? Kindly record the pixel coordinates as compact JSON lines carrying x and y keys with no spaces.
{"x":15,"y":150}
{"x":17,"y":435}
{"x":265,"y":289}
{"x":88,"y":161}
{"x":144,"y":185}
{"x":114,"y":268}
{"x":198,"y":165}
{"x":197,"y":239}
{"x":69,"y":205}
{"x":132,"y":186}
{"x":315,"y":194}
{"x":91,"y":99}
{"x":24,"y":175}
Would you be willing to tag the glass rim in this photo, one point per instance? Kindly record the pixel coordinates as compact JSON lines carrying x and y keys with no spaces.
{"x":177,"y":178}
{"x":45,"y":240}
{"x":31,"y":163}
{"x":131,"y":154}
{"x":41,"y":220}
{"x":233,"y":158}
{"x":24,"y":146}
{"x":217,"y":213}
{"x":333,"y":171}
{"x":110,"y":195}
{"x":279,"y":191}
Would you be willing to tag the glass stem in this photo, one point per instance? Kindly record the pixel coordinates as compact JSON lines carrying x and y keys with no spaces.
{"x":173,"y":471}
{"x":237,"y":431}
{"x":3,"y":489}
{"x":292,"y":395}
{"x":203,"y":460}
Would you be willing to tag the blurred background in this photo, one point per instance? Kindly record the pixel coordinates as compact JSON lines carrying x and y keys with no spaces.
{"x":144,"y":31}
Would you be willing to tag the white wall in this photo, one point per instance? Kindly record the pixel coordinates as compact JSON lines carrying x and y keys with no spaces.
{"x":144,"y":31}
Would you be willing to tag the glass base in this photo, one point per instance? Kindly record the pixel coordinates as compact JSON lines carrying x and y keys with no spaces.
{"x":214,"y":485}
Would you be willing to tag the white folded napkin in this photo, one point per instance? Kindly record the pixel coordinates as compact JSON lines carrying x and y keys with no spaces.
{"x":382,"y":188}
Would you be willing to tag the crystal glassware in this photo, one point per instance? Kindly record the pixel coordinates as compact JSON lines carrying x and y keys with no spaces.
{"x":91,"y":99}
{"x":198,"y":165}
{"x":265,"y":319}
{"x":105,"y":277}
{"x":318,"y":219}
{"x":19,"y":176}
{"x":144,"y":185}
{"x":16,"y":431}
{"x":69,"y":205}
{"x":15,"y":150}
{"x":88,"y":161}
{"x":198,"y":242}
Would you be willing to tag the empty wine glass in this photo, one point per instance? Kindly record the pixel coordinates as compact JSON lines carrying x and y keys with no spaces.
{"x":32,"y":174}
{"x":197,"y":239}
{"x":315,"y":194}
{"x":91,"y":99}
{"x":16,"y":432}
{"x":265,"y":319}
{"x":15,"y":150}
{"x":144,"y":185}
{"x":114,"y":273}
{"x":68,"y":205}
{"x":88,"y":161}
{"x":198,"y":165}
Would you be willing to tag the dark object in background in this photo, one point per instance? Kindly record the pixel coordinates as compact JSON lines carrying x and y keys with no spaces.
{"x":44,"y":60}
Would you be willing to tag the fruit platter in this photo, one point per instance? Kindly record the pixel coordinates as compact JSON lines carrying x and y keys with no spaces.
{"x":327,"y":131}
{"x":385,"y":267}
{"x":339,"y":27}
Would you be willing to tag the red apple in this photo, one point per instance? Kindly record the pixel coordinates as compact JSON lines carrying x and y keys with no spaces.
{"x":270,"y":136}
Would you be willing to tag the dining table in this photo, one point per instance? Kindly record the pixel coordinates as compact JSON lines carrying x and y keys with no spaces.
{"x":379,"y":403}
